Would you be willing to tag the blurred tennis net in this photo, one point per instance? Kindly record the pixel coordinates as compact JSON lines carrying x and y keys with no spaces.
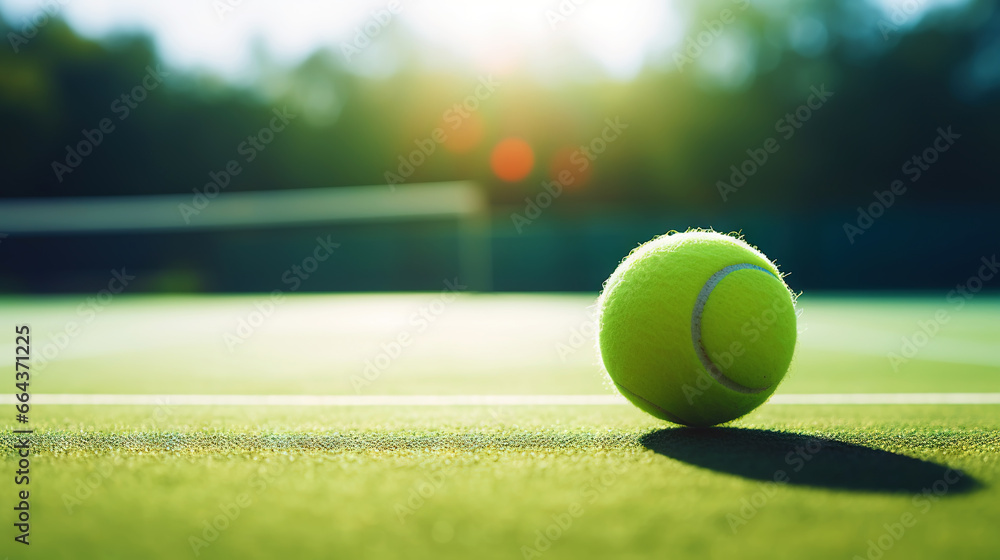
{"x":462,"y":202}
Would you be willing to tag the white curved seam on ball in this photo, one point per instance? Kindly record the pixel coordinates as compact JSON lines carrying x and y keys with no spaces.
{"x":699,"y":346}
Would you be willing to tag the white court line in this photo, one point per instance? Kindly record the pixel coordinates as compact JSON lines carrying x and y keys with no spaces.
{"x":889,"y":398}
{"x":477,"y":400}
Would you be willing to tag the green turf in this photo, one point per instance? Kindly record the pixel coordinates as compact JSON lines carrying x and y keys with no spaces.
{"x":336,"y":483}
{"x":475,"y":344}
{"x":140,"y":482}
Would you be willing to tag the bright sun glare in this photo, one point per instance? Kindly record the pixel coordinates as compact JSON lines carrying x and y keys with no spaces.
{"x":485,"y":35}
{"x":502,"y":34}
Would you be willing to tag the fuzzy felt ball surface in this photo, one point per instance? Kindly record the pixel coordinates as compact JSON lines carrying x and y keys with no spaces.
{"x":697,"y":328}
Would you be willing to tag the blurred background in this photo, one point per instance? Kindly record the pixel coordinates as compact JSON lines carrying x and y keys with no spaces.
{"x":853,"y":142}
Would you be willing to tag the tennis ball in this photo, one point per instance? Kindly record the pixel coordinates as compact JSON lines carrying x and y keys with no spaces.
{"x":697,"y":328}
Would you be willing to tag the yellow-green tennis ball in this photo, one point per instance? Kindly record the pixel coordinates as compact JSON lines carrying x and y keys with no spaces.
{"x":697,"y":328}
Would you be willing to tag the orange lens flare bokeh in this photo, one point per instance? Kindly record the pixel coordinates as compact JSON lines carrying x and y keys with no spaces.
{"x":512,"y":159}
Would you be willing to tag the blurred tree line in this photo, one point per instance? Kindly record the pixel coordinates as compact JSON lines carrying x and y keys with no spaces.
{"x":892,"y":88}
{"x":691,"y":124}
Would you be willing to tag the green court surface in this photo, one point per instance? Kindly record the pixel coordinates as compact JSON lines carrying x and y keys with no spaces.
{"x":490,"y":481}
